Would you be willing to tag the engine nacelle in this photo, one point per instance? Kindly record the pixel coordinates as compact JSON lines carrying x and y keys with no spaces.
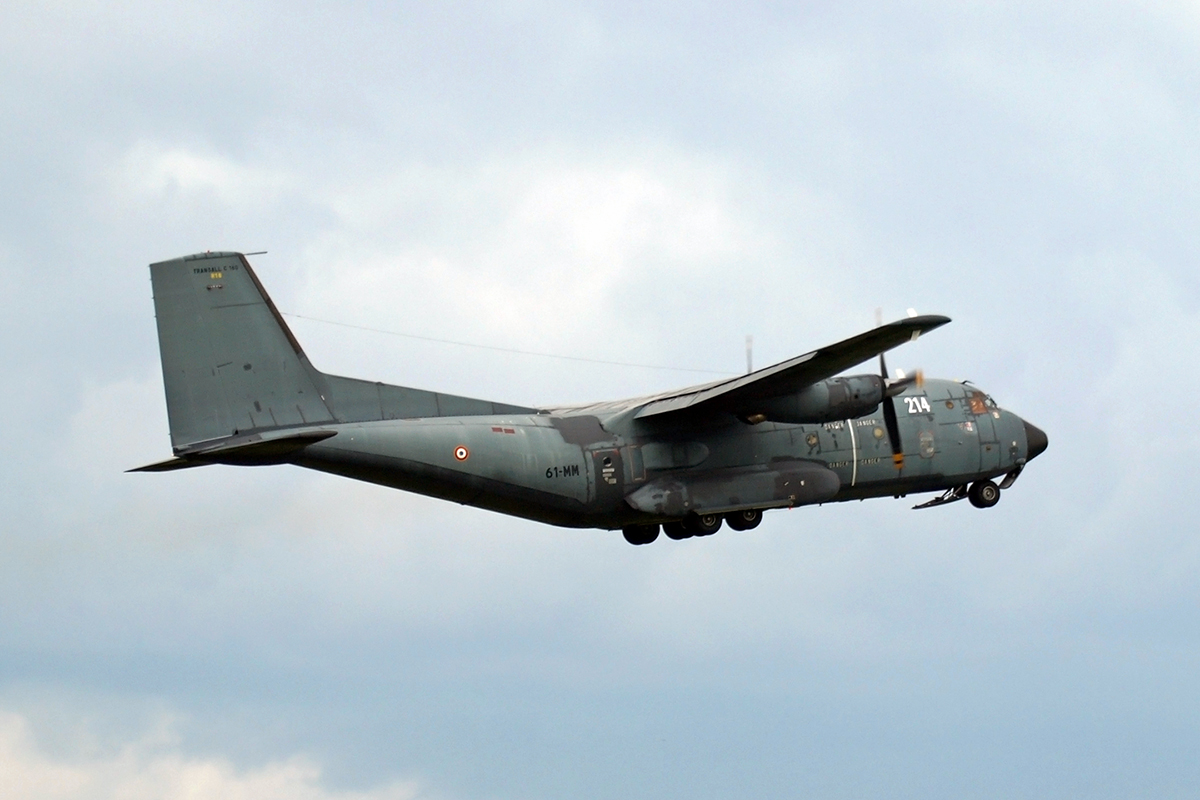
{"x":825,"y":401}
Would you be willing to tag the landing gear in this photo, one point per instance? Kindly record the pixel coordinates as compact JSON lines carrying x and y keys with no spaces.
{"x":676,"y":531}
{"x":702,"y":524}
{"x":744,"y":520}
{"x":692,"y":525}
{"x":640,"y":534}
{"x":984,"y":494}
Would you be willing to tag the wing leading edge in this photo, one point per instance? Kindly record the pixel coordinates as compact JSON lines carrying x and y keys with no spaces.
{"x":794,"y":374}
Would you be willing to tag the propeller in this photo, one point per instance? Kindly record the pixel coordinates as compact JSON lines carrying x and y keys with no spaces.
{"x":891,"y":388}
{"x":889,"y":416}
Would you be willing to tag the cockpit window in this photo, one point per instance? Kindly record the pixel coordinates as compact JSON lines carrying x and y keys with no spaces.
{"x":980,"y":403}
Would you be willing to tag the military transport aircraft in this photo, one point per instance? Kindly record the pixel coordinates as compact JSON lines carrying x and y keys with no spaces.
{"x":241,"y":391}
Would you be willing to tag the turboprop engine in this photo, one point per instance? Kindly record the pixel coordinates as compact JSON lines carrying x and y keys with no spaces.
{"x":825,"y":401}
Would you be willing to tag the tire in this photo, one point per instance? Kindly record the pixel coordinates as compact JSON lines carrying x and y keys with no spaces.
{"x":743,"y":520}
{"x":702,"y":524}
{"x":640,"y":534}
{"x":983,"y":494}
{"x":676,"y":531}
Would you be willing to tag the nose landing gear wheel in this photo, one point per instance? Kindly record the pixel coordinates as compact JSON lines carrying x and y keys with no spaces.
{"x":744,"y":520}
{"x":984,"y":494}
{"x":640,"y":534}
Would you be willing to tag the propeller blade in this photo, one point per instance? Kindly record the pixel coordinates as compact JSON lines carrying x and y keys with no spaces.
{"x":893,"y":431}
{"x":890,"y":388}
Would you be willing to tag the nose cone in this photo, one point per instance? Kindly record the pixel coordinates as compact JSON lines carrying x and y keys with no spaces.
{"x":1035,"y":440}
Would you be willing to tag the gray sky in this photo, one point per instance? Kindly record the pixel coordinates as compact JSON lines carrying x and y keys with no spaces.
{"x":627,"y":184}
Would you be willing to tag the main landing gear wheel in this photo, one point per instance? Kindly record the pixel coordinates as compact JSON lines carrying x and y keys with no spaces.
{"x":640,"y":534}
{"x":702,"y":524}
{"x":676,"y":531}
{"x":984,"y":494}
{"x":744,"y":520}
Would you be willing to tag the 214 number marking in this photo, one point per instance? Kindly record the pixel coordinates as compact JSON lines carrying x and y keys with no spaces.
{"x":918,"y":405}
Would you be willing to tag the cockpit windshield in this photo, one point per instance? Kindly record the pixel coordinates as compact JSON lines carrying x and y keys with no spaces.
{"x":980,"y":402}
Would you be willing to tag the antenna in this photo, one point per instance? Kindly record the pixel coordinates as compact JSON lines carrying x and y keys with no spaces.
{"x":749,"y":354}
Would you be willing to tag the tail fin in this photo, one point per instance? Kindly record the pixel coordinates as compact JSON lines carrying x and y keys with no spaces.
{"x":230,"y":363}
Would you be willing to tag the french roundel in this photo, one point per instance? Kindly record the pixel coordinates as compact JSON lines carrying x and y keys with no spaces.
{"x":461,"y":453}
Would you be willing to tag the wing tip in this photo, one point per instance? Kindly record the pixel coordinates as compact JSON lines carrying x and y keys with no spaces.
{"x":926,"y":321}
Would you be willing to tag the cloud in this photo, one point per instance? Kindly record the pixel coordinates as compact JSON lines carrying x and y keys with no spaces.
{"x":154,"y":768}
{"x":153,"y":172}
{"x":552,"y":232}
{"x":585,"y":254}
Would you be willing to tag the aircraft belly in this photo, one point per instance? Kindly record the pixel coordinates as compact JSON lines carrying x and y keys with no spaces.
{"x":777,"y":485}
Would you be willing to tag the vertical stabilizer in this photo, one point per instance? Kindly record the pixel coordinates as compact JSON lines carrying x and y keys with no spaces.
{"x":230,"y":363}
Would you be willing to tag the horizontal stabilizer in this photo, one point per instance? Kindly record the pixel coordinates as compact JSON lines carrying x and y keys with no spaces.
{"x":272,"y":447}
{"x":794,"y":374}
{"x":169,"y":465}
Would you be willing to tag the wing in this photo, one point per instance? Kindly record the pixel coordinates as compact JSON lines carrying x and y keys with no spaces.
{"x":794,"y":374}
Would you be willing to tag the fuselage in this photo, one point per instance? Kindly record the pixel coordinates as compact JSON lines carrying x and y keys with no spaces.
{"x":584,"y":466}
